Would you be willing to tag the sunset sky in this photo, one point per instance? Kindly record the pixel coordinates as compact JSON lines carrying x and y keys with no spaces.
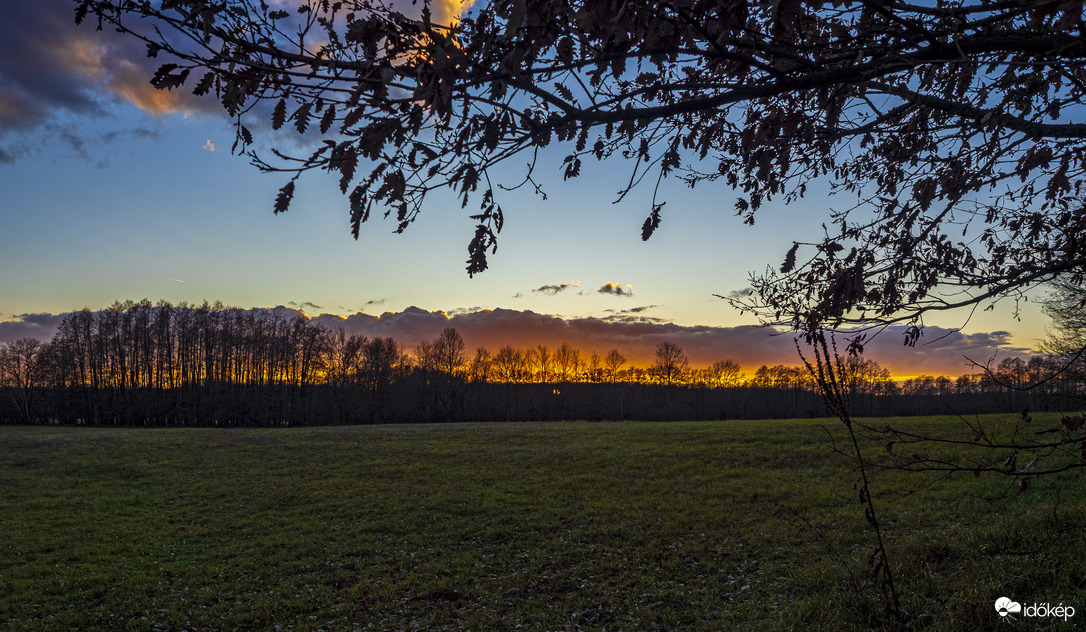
{"x":113,"y":191}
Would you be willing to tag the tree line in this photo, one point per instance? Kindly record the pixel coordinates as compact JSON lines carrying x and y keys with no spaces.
{"x":159,"y":364}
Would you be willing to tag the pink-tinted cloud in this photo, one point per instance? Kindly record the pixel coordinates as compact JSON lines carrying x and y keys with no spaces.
{"x":939,"y":352}
{"x":40,"y":326}
{"x":48,"y":65}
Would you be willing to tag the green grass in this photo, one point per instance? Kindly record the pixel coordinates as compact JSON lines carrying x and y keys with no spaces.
{"x":535,"y":526}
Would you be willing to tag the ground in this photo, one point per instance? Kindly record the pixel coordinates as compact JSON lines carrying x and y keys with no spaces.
{"x":535,"y":526}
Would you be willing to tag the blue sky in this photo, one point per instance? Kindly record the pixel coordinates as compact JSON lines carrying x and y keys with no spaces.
{"x":157,"y":214}
{"x":113,"y":192}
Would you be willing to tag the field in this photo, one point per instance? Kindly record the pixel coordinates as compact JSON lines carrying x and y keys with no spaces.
{"x":533,"y":526}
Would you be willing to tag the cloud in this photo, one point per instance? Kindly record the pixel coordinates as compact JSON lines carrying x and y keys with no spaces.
{"x":632,"y":315}
{"x":305,"y":305}
{"x":448,"y":11}
{"x":40,"y":326}
{"x":49,"y":67}
{"x":464,"y":310}
{"x":139,"y":132}
{"x":209,"y":146}
{"x":940,"y":351}
{"x":616,"y":289}
{"x":632,"y":310}
{"x":46,"y":64}
{"x":555,"y":289}
{"x":11,"y":153}
{"x":990,"y":339}
{"x":630,"y":319}
{"x":636,"y":336}
{"x":53,"y":71}
{"x":129,"y":79}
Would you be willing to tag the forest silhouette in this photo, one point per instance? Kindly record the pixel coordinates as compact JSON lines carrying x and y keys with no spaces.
{"x":139,"y":363}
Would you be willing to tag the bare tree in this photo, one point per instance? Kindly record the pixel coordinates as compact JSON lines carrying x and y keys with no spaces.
{"x":21,"y":372}
{"x":593,"y":368}
{"x":864,"y":376}
{"x":1066,"y":339}
{"x":382,"y":359}
{"x":541,"y":356}
{"x":509,"y":365}
{"x":613,"y":362}
{"x":345,"y":355}
{"x":425,"y":356}
{"x":481,"y":365}
{"x":670,"y":364}
{"x":567,"y":362}
{"x":449,"y":351}
{"x":725,"y":374}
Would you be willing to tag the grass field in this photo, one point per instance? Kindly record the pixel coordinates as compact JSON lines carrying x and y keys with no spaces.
{"x":534,"y":526}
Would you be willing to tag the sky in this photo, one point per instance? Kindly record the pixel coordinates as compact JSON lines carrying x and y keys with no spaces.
{"x":112,"y":190}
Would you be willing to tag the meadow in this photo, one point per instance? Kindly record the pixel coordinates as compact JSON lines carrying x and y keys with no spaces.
{"x":732,"y":525}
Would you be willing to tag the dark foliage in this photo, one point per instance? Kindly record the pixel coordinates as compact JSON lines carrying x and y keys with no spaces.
{"x":953,"y":126}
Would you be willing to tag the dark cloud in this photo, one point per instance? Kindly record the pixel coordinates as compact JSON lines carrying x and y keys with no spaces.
{"x":464,"y":310}
{"x":946,"y":351}
{"x":46,"y":64}
{"x":40,"y":326}
{"x":380,"y":301}
{"x":84,"y":145}
{"x":280,"y":310}
{"x":555,"y":289}
{"x":53,"y":71}
{"x":743,"y":293}
{"x":990,"y":339}
{"x":632,"y":310}
{"x":50,"y":66}
{"x":617,"y":289}
{"x":139,"y":132}
{"x":305,"y":306}
{"x":75,"y":142}
{"x":939,"y":352}
{"x":13,"y":152}
{"x":628,"y":318}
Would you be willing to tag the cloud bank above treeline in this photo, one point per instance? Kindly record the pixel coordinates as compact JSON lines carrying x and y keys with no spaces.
{"x":941,"y":351}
